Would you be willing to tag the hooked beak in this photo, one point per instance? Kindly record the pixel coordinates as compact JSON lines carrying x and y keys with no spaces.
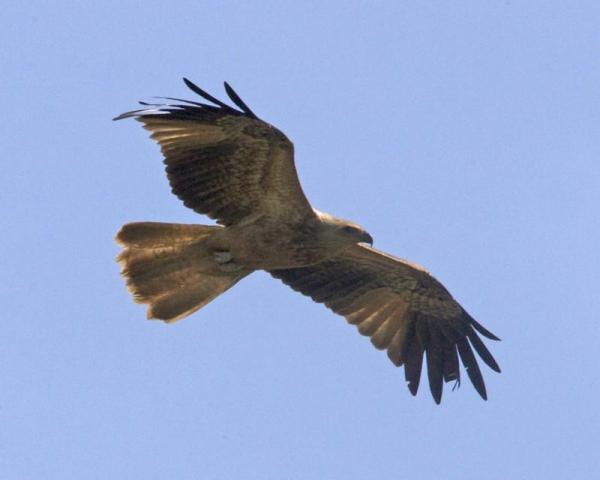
{"x":366,"y":238}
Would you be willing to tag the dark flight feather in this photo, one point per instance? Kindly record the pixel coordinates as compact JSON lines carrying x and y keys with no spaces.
{"x":196,"y":89}
{"x":238,"y":101}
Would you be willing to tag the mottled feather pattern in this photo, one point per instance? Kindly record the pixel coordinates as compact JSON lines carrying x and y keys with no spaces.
{"x":225,"y":163}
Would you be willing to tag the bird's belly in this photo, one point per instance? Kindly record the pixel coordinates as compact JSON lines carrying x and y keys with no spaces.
{"x":269,"y":248}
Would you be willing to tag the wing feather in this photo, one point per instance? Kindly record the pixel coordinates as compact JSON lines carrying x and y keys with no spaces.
{"x":385,"y":333}
{"x":375,"y":320}
{"x":413,"y":360}
{"x":397,"y":345}
{"x":470,"y":363}
{"x":435,"y":363}
{"x":482,"y":351}
{"x":451,"y":370}
{"x":223,"y":162}
{"x":235,"y":98}
{"x":403,"y":309}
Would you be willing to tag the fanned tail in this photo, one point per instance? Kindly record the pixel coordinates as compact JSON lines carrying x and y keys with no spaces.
{"x":169,"y":267}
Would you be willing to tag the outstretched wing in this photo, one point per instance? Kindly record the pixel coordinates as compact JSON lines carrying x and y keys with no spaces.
{"x":403,"y":309}
{"x":223,"y":162}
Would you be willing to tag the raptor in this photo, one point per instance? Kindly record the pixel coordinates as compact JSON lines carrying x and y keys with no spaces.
{"x":226,"y":163}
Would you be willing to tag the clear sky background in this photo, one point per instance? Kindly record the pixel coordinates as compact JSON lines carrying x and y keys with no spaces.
{"x":463,"y":135}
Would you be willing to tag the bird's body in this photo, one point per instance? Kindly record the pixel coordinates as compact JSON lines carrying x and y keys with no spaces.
{"x":239,"y":170}
{"x":265,"y":243}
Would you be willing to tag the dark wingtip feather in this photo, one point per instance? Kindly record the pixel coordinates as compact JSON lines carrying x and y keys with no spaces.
{"x":481,"y":329}
{"x":482,"y":351}
{"x":413,"y":386}
{"x":435,"y":380}
{"x":191,"y":102}
{"x":412,"y":368}
{"x":451,"y":368}
{"x":435,"y":364}
{"x":412,"y":372}
{"x":131,"y":114}
{"x":235,"y":98}
{"x":470,"y":363}
{"x":412,"y":355}
{"x":207,"y":96}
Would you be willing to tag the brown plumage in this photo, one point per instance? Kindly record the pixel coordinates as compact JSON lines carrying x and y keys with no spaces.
{"x":239,"y":170}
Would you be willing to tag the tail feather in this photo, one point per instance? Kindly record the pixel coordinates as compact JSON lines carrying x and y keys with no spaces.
{"x":170,"y":268}
{"x":156,"y":234}
{"x":144,"y":265}
{"x":179,"y":303}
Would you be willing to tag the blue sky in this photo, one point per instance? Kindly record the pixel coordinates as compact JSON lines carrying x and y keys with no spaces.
{"x":463,"y":135}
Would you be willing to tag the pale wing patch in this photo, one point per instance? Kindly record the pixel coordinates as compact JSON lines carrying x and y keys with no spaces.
{"x":397,"y":345}
{"x":396,"y":318}
{"x":167,"y":129}
{"x":370,"y":324}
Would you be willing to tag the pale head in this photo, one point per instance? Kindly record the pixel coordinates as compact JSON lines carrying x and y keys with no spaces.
{"x":342,"y":232}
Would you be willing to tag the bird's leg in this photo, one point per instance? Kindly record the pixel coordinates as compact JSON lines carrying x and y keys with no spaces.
{"x":222,"y":257}
{"x":225,"y":261}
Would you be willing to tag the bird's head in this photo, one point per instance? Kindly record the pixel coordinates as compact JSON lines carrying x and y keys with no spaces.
{"x":355,"y":233}
{"x":342,"y":231}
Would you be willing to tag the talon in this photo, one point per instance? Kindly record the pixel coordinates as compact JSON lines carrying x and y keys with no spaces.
{"x":225,"y":261}
{"x":222,"y":257}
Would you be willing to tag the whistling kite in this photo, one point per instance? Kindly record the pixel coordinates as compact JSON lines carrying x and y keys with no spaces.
{"x":239,"y":170}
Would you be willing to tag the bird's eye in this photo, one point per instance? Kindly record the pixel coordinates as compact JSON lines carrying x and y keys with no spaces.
{"x":349,"y":229}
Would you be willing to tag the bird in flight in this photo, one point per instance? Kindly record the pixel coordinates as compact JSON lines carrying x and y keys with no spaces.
{"x":228,"y":164}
